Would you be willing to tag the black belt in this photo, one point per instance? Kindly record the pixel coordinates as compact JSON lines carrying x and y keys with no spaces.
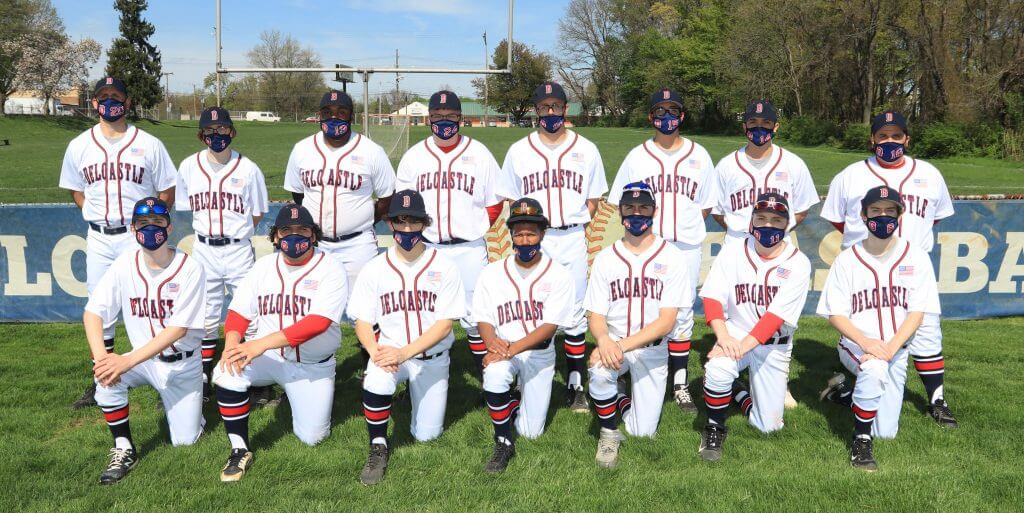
{"x":217,"y":242}
{"x":566,"y":227}
{"x":656,"y":343}
{"x":452,"y":242}
{"x":175,"y":357}
{"x":432,"y":356}
{"x":347,"y":236}
{"x":106,"y":230}
{"x":778,"y":340}
{"x":326,"y":359}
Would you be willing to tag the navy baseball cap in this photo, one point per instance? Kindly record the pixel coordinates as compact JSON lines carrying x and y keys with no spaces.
{"x":637,"y":193}
{"x":548,"y":90}
{"x":150,"y":206}
{"x":294,"y":214}
{"x":526,"y":210}
{"x":214,"y":116}
{"x":335,"y":97}
{"x":889,"y":117}
{"x":881,"y":193}
{"x":116,"y":83}
{"x":761,"y":109}
{"x":445,"y":100}
{"x":666,"y":95}
{"x":407,"y":203}
{"x":772,"y":202}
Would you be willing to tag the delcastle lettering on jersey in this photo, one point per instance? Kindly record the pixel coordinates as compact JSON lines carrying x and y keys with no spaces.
{"x":113,"y":171}
{"x":754,"y":293}
{"x":219,"y":201}
{"x":915,"y":205}
{"x":552,"y":179}
{"x":746,"y":198}
{"x":868,"y":299}
{"x":453,"y":180}
{"x":510,"y":311}
{"x":334,"y":177}
{"x":673,"y":184}
{"x":285,"y":304}
{"x":407,"y":301}
{"x":151,"y":308}
{"x":648,"y":288}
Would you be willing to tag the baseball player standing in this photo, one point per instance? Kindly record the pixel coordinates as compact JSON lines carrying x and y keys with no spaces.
{"x":877,"y":295}
{"x":107,"y":169}
{"x":413,"y":293}
{"x":160,"y":293}
{"x":759,"y":167}
{"x":753,"y":298}
{"x":295,"y":297}
{"x":520,"y":303}
{"x":637,"y":287}
{"x":681,"y":174}
{"x":227,"y":196}
{"x":927,"y":201}
{"x":564,"y":172}
{"x":456,"y":177}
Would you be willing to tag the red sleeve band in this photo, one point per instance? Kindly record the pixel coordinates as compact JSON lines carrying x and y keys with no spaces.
{"x":713,"y":311}
{"x":307,"y":328}
{"x":767,"y":327}
{"x":494,"y":211}
{"x":235,"y":322}
{"x":839,"y":226}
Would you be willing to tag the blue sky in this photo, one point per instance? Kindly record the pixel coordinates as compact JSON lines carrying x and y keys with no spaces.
{"x":427,"y":33}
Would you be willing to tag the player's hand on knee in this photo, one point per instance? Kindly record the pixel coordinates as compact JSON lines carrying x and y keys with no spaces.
{"x":109,"y":369}
{"x":610,"y":354}
{"x":389,"y":356}
{"x":716,"y":352}
{"x":491,"y":358}
{"x":243,"y":354}
{"x":731,"y":347}
{"x":497,"y":345}
{"x":877,"y":349}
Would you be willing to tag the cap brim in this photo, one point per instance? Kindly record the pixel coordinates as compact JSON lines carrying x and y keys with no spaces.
{"x":541,"y":220}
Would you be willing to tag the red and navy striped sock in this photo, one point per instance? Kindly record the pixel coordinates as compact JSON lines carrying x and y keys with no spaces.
{"x":377,"y":411}
{"x":575,"y":353}
{"x":234,"y":410}
{"x":108,"y":344}
{"x":209,"y":351}
{"x":862,"y":421}
{"x":744,"y":401}
{"x":117,"y":421}
{"x":718,"y":404}
{"x":503,"y":410}
{"x":606,"y":411}
{"x":479,"y":350}
{"x":932,"y":370}
{"x":623,"y":403}
{"x":678,"y":360}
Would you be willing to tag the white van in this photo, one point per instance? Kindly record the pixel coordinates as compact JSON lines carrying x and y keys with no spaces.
{"x":261,"y":116}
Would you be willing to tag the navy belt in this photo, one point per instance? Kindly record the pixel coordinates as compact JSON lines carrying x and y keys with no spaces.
{"x":452,"y":242}
{"x":347,"y":236}
{"x":566,"y":227}
{"x":217,"y":242}
{"x":106,"y":230}
{"x":175,"y":357}
{"x":778,"y":340}
{"x":326,"y":359}
{"x":432,"y":356}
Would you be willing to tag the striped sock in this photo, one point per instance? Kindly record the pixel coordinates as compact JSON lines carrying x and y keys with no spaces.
{"x":575,"y":351}
{"x":932,"y":370}
{"x":108,"y":344}
{"x":209,"y":351}
{"x":606,"y":412}
{"x":718,"y":404}
{"x":744,"y":401}
{"x":117,"y":421}
{"x":678,"y":360}
{"x":234,"y":410}
{"x":863,"y":419}
{"x":478,"y":350}
{"x":377,"y":411}
{"x":623,"y":403}
{"x":503,"y":410}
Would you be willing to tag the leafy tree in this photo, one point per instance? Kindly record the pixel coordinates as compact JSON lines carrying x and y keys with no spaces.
{"x":511,"y":92}
{"x":133,"y":59}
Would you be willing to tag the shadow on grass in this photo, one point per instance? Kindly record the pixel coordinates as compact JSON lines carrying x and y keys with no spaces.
{"x":820,"y":361}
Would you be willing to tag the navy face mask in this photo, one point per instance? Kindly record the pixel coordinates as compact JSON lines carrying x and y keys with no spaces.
{"x":889,"y":151}
{"x":217,"y":142}
{"x":526,"y":252}
{"x":407,"y":240}
{"x":637,"y":224}
{"x":760,"y":135}
{"x":334,"y":128}
{"x":882,"y":226}
{"x":552,"y":123}
{"x":667,"y":123}
{"x":151,"y":236}
{"x":768,"y":236}
{"x":444,"y":129}
{"x":295,"y":245}
{"x":111,"y":109}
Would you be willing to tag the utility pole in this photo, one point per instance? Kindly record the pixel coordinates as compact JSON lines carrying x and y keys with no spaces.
{"x":195,"y":98}
{"x":397,"y":77}
{"x":485,"y":78}
{"x":167,"y":93}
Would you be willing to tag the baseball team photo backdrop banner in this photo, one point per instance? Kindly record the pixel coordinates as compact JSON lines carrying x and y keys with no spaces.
{"x":978,"y":257}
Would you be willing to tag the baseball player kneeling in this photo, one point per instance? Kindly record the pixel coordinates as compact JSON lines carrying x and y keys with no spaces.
{"x":637,"y":287}
{"x":519,"y":303}
{"x":877,"y":294}
{"x":413,"y":293}
{"x":161,"y":293}
{"x":753,"y":297}
{"x":296,"y":297}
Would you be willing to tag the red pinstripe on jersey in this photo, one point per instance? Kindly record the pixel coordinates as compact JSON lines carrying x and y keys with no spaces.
{"x":878,"y":288}
{"x":337,"y":169}
{"x":106,"y":179}
{"x":675,"y":197}
{"x":643,"y":272}
{"x":547,"y":169}
{"x":159,"y":289}
{"x":445,"y":177}
{"x":913,"y":167}
{"x":415,"y":291}
{"x":750,"y":174}
{"x":220,"y":189}
{"x":295,"y":284}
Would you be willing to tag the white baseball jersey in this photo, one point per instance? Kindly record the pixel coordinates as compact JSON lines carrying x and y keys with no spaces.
{"x":151,"y":301}
{"x":877,"y":294}
{"x":683,"y":183}
{"x":407,"y":299}
{"x":115,"y":176}
{"x":516,"y":305}
{"x":340,"y":184}
{"x":223,"y":202}
{"x":457,"y":187}
{"x":276,"y":295}
{"x":748,"y":287}
{"x":919,"y":183}
{"x":562,"y":179}
{"x":630,"y":290}
{"x":740,"y":183}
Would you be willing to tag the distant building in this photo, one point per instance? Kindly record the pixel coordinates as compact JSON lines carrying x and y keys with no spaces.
{"x":31,"y":102}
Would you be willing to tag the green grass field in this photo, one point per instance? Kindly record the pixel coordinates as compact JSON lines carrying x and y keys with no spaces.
{"x":30,"y":166}
{"x":53,"y":456}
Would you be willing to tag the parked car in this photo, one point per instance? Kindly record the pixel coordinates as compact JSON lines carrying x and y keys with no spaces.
{"x":311,"y":119}
{"x":261,"y":116}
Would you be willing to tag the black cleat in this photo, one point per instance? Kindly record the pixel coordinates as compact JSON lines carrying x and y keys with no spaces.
{"x":681,"y":395}
{"x":503,"y":454}
{"x":940,"y":413}
{"x":862,"y":455}
{"x":576,"y":399}
{"x":835,"y":387}
{"x":711,"y":442}
{"x":88,"y":398}
{"x":121,"y":462}
{"x":376,"y":464}
{"x":262,"y":397}
{"x":207,"y":391}
{"x":238,"y":462}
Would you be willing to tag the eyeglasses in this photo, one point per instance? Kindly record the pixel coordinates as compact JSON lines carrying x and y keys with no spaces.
{"x":524,"y":209}
{"x":221,"y":130}
{"x":154,"y":209}
{"x":772,"y":205}
{"x":449,"y":117}
{"x":554,"y":108}
{"x":661,"y":111}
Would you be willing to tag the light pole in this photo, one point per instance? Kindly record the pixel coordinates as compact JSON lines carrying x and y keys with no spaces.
{"x":167,"y":92}
{"x":486,"y":66}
